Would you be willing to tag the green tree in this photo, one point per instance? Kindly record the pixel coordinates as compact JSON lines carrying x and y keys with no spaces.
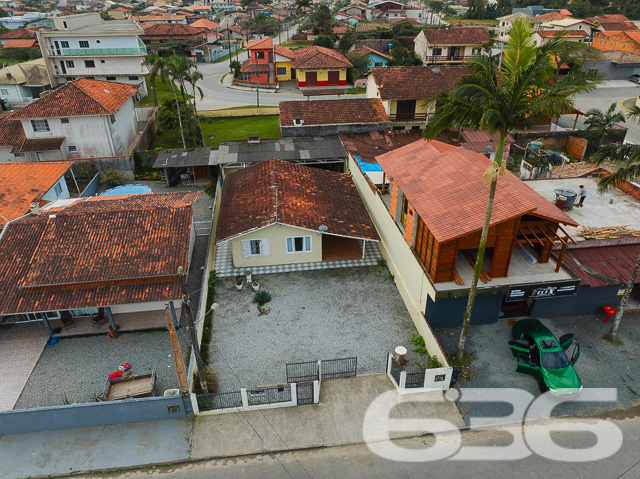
{"x":179,"y":69}
{"x":302,"y":4}
{"x":502,"y":100}
{"x":321,"y":20}
{"x":192,"y":78}
{"x":476,"y":9}
{"x":360,"y":64}
{"x":402,"y":57}
{"x":435,"y":6}
{"x":602,"y":122}
{"x":324,"y":41}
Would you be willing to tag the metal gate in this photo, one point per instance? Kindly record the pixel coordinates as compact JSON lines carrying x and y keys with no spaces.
{"x":305,"y":393}
{"x":300,"y":372}
{"x":325,"y":369}
{"x":202,"y":228}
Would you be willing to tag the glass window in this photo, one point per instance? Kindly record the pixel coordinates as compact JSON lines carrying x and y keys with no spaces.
{"x":554,"y":360}
{"x":40,"y":125}
{"x":64,"y":121}
{"x":118,"y":142}
{"x":84,"y":44}
{"x":259,"y":55}
{"x":246,"y":76}
{"x":112,"y":119}
{"x":64,"y":44}
{"x":89,"y":64}
{"x":4,"y":91}
{"x":111,"y":78}
{"x":299,"y":244}
{"x":58,"y":189}
{"x":437,"y":51}
{"x":281,"y":71}
{"x":255,"y":247}
{"x":133,"y":78}
{"x":72,"y":148}
{"x":70,"y":64}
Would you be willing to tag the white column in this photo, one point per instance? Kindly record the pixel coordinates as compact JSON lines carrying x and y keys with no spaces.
{"x":245,"y":399}
{"x":316,"y":392}
{"x":294,"y":394}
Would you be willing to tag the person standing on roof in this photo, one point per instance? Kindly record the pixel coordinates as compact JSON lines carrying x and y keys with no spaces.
{"x":583,"y":195}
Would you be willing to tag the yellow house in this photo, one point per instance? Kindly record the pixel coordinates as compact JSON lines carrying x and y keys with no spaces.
{"x":278,"y":212}
{"x":283,"y":58}
{"x":320,"y":67}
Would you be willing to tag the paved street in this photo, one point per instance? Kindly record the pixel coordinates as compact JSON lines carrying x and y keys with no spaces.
{"x":358,"y":461}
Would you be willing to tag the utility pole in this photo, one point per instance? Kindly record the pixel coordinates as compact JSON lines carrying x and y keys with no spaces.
{"x":229,"y":44}
{"x":186,"y":304}
{"x":257,"y":88}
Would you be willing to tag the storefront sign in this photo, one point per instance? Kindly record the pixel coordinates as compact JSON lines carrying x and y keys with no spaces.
{"x":541,"y":291}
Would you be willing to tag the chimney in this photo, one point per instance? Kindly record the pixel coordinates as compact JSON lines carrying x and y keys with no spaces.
{"x":34,"y":208}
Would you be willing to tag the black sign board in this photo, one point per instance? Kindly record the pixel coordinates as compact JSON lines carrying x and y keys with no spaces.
{"x":542,"y":290}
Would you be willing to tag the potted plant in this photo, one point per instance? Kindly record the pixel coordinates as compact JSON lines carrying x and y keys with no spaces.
{"x":239,"y":283}
{"x":255,"y":285}
{"x":247,"y":273}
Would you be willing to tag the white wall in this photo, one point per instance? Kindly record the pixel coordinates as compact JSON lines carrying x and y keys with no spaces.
{"x":113,"y":65}
{"x":141,"y":307}
{"x":51,"y":194}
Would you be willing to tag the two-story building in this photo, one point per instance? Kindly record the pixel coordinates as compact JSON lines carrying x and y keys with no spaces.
{"x":80,"y":119}
{"x":260,"y":66}
{"x":157,"y":36}
{"x":86,"y":46}
{"x":404,"y":91}
{"x":505,"y":23}
{"x":456,"y":45}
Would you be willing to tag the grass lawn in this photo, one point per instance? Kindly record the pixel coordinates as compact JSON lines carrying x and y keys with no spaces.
{"x":226,"y":129}
{"x":163,"y":89}
{"x":296,"y":47}
{"x":10,"y":61}
{"x":356,"y":91}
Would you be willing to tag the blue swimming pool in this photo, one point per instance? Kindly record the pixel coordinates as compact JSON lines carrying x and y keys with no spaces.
{"x":126,"y":190}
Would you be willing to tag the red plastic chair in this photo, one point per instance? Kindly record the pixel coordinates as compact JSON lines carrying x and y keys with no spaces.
{"x":609,"y":311}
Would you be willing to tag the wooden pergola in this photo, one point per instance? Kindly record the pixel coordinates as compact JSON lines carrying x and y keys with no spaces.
{"x":545,"y":237}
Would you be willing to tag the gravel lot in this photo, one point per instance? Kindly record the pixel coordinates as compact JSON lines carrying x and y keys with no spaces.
{"x":601,"y":364}
{"x":314,"y":315}
{"x":78,"y":367}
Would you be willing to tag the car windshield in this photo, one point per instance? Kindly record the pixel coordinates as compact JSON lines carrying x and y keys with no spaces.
{"x":554,"y":360}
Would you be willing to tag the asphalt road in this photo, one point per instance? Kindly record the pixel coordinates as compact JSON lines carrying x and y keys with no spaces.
{"x":358,"y":461}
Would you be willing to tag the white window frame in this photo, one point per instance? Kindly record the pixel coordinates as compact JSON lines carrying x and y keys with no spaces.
{"x":4,"y":91}
{"x":264,"y":247}
{"x":72,"y":148}
{"x":40,"y":125}
{"x":57,"y":188}
{"x":305,"y":243}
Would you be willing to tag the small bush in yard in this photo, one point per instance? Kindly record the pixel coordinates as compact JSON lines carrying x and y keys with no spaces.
{"x":212,"y":382}
{"x":112,"y":177}
{"x":262,"y":297}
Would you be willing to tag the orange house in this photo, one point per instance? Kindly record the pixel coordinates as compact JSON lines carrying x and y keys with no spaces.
{"x":619,"y":41}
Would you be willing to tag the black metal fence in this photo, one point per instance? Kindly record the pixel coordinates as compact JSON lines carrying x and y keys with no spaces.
{"x":305,"y":393}
{"x":225,"y":400}
{"x":269,"y":395}
{"x":395,"y":371}
{"x":415,"y":380}
{"x":330,"y":369}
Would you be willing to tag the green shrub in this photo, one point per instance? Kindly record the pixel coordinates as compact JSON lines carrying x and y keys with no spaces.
{"x":212,"y":382}
{"x":418,"y":341}
{"x":433,"y":361}
{"x":261,"y":298}
{"x":112,"y":177}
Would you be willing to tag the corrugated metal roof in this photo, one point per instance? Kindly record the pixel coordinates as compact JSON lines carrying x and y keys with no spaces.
{"x":602,"y":265}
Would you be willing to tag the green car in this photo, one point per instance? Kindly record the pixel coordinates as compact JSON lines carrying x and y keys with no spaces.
{"x":542,"y":356}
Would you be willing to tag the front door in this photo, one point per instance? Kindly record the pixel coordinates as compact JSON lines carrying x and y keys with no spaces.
{"x":312,"y":78}
{"x":406,"y":110}
{"x":454,"y":53}
{"x":334,"y":78}
{"x":293,"y":73}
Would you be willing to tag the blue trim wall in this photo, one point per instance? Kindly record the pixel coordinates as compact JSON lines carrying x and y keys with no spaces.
{"x":448,"y":312}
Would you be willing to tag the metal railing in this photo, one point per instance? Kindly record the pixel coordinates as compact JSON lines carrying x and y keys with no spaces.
{"x":325,"y":369}
{"x":55,"y":52}
{"x":446,"y":58}
{"x":415,"y":380}
{"x":408,"y":116}
{"x":227,"y":400}
{"x":269,"y":395}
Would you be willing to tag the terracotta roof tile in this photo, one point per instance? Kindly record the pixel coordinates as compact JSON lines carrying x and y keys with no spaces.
{"x":22,"y":183}
{"x":615,"y":262}
{"x":27,"y":43}
{"x":367,"y":146}
{"x":566,"y":33}
{"x":618,"y":27}
{"x":284,"y":51}
{"x":18,"y":33}
{"x":277,"y":191}
{"x":444,"y":183}
{"x":552,"y":16}
{"x":125,"y":251}
{"x":42,"y":144}
{"x":249,"y":67}
{"x":155,"y":31}
{"x":317,"y":58}
{"x":365,"y":50}
{"x":262,"y":44}
{"x":11,"y":133}
{"x":415,"y":83}
{"x":80,"y":97}
{"x":331,"y":112}
{"x":204,"y":23}
{"x":457,"y":36}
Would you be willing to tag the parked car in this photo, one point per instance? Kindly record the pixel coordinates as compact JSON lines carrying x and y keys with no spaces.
{"x":635,"y":78}
{"x":543,"y":356}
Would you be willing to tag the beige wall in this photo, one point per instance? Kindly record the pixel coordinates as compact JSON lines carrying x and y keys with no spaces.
{"x":277,"y":234}
{"x":412,"y":282}
{"x":372,"y":88}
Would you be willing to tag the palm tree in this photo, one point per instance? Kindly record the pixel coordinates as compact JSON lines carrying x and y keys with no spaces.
{"x":602,"y":122}
{"x":193,"y":78}
{"x":503,"y":99}
{"x":179,"y":68}
{"x":160,"y":66}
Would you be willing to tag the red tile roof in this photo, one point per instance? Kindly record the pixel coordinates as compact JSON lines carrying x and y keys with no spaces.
{"x":615,"y":262}
{"x":319,"y":58}
{"x":80,"y":97}
{"x":552,"y":16}
{"x":332,"y":112}
{"x":457,"y":36}
{"x":444,"y":184}
{"x":366,"y":146}
{"x":618,"y":27}
{"x":160,"y":31}
{"x":365,"y":50}
{"x":249,"y":67}
{"x":284,"y":51}
{"x":415,"y":83}
{"x":262,"y":44}
{"x":29,"y":43}
{"x":204,"y":23}
{"x":22,"y":183}
{"x":609,"y":18}
{"x":18,"y":33}
{"x":125,"y":251}
{"x":11,"y":133}
{"x":276,"y":191}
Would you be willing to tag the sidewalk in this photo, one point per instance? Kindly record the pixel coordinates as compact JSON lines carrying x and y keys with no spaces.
{"x":337,"y":420}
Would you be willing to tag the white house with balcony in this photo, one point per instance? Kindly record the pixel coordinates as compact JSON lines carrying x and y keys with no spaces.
{"x":80,"y":119}
{"x":86,"y":46}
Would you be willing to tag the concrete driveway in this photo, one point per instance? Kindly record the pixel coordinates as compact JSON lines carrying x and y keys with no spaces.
{"x":601,"y":364}
{"x":314,"y":315}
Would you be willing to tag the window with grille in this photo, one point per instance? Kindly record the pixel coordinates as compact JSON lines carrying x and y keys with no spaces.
{"x":40,"y":125}
{"x":84,"y":44}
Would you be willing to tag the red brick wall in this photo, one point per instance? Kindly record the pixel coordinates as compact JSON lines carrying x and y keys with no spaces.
{"x":394,"y":200}
{"x":619,"y":42}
